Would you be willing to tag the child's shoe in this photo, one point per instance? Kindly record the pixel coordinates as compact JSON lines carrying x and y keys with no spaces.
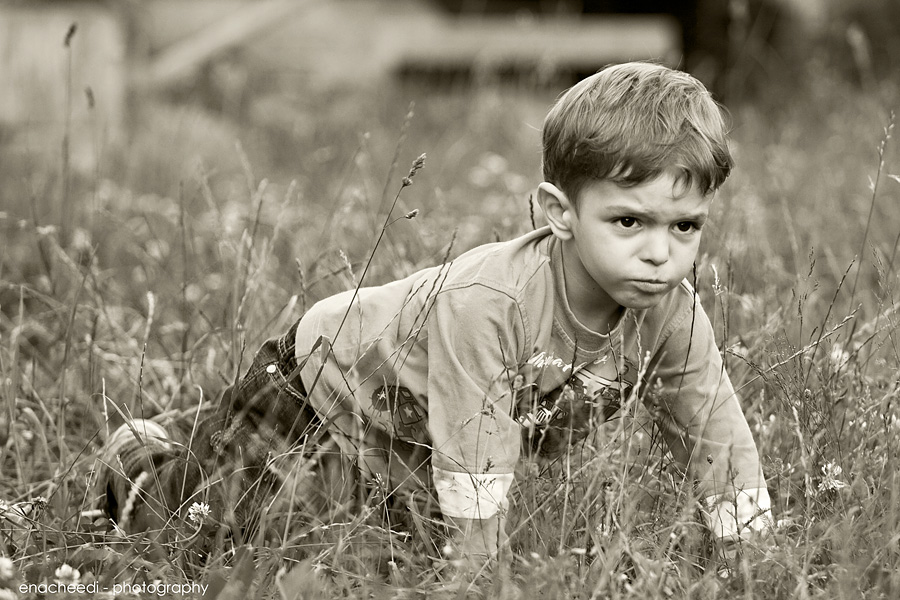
{"x":128,"y":483}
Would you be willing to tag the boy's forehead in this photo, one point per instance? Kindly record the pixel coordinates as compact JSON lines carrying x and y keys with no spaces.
{"x":663,"y":194}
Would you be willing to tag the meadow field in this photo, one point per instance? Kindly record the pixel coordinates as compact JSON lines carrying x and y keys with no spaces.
{"x":142,"y":280}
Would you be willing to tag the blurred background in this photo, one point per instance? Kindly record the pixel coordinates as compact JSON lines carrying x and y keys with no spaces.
{"x":155,"y":133}
{"x":249,"y":60}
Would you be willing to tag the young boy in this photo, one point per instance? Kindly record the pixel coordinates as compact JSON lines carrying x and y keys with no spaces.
{"x":432,"y":383}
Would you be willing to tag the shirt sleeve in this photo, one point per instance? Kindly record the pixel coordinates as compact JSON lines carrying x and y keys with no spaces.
{"x":701,"y":419}
{"x":474,"y":336}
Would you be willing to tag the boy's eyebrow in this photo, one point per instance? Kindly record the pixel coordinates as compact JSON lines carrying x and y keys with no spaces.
{"x":700,"y":215}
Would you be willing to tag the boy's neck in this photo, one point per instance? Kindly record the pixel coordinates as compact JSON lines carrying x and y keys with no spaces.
{"x":590,"y":304}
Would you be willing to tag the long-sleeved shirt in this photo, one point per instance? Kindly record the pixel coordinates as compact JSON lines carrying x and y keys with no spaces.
{"x":437,"y":374}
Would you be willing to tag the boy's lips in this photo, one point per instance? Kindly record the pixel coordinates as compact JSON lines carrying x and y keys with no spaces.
{"x":650,"y":286}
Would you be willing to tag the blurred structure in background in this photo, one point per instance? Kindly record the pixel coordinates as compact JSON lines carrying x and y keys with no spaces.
{"x":68,"y":67}
{"x":57,"y":81}
{"x":63,"y":69}
{"x":336,"y":42}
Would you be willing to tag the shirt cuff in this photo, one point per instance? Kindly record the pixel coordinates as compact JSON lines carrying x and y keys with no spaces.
{"x":471,"y":496}
{"x":735,"y":515}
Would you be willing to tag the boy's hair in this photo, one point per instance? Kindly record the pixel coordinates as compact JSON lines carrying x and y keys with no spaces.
{"x":628,"y":124}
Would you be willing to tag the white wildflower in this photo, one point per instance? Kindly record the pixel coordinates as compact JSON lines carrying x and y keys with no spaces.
{"x":198,"y":512}
{"x":7,"y":569}
{"x":604,"y":529}
{"x":67,"y":575}
{"x":739,"y":350}
{"x":788,"y":522}
{"x":81,"y":240}
{"x":839,"y":357}
{"x":830,"y":477}
{"x":157,"y":249}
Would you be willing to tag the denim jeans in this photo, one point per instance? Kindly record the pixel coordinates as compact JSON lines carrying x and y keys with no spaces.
{"x":261,"y":453}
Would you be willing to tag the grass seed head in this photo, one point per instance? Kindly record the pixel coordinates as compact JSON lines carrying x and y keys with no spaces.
{"x":417,"y":164}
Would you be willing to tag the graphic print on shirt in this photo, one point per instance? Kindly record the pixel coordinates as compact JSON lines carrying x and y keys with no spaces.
{"x":567,"y":414}
{"x":408,"y":417}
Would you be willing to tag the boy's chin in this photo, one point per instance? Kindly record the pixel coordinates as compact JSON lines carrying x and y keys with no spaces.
{"x":641,"y":302}
{"x":642,"y":305}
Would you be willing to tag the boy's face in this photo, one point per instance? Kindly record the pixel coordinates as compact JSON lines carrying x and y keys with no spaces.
{"x":628,"y":247}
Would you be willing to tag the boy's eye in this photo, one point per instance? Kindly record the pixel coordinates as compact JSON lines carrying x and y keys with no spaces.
{"x":687,"y":226}
{"x":627,"y":221}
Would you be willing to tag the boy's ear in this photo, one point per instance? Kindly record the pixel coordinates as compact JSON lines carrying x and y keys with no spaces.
{"x":557,"y":208}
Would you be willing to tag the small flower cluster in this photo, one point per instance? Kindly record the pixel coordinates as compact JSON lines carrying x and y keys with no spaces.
{"x":66,"y":575}
{"x":838,"y":356}
{"x":198,"y":512}
{"x":830,"y":478}
{"x":7,"y":579}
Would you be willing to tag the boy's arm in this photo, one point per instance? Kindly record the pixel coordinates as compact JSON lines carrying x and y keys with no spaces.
{"x":699,"y":414}
{"x":474,"y":337}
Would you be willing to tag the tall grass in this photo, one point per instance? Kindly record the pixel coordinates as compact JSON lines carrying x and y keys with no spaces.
{"x":203,"y":236}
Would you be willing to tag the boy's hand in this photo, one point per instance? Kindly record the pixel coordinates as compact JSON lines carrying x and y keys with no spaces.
{"x":728,"y":555}
{"x":474,"y":541}
{"x":463,"y":568}
{"x":473,"y":562}
{"x":463,"y":572}
{"x":731,"y":552}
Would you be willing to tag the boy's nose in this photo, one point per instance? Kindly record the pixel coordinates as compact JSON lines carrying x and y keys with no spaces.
{"x":656,"y":248}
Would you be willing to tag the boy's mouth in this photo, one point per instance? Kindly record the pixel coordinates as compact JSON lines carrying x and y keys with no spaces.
{"x":650,"y":286}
